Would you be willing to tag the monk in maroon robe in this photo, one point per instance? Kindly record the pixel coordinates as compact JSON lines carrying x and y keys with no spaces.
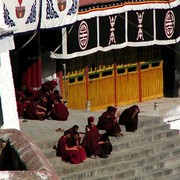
{"x":20,"y":109}
{"x":59,"y":111}
{"x":32,"y":112}
{"x":93,"y":143}
{"x":108,"y":122}
{"x":19,"y":101}
{"x":73,"y":130}
{"x":129,"y":118}
{"x":75,"y":138}
{"x":72,"y":154}
{"x":76,"y":141}
{"x":50,"y":85}
{"x":43,"y":104}
{"x":29,"y":93}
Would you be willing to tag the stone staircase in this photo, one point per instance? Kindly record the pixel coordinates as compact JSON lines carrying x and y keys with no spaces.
{"x":153,"y":152}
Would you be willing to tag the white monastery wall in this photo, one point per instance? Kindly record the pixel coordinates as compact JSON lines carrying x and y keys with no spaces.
{"x":7,"y":93}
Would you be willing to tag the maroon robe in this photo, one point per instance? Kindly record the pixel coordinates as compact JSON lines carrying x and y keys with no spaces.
{"x":19,"y":102}
{"x":29,"y":93}
{"x":59,"y":112}
{"x":31,"y":112}
{"x":73,"y":139}
{"x":107,"y":121}
{"x":82,"y":152}
{"x":43,"y":104}
{"x":129,"y":118}
{"x":20,"y":108}
{"x":91,"y":143}
{"x":50,"y":85}
{"x":72,"y":156}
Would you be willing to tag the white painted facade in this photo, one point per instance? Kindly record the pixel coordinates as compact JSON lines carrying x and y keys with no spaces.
{"x":7,"y":92}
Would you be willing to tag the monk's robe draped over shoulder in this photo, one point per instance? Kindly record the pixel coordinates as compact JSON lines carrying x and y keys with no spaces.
{"x":129,"y":118}
{"x":72,"y":156}
{"x":107,"y":121}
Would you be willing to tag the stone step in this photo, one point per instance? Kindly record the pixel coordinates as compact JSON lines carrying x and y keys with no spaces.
{"x":142,"y":130}
{"x":140,"y":140}
{"x":145,"y":173}
{"x":149,"y":120}
{"x":153,"y":128}
{"x":49,"y":143}
{"x":129,"y":142}
{"x":49,"y":153}
{"x":170,"y":163}
{"x":121,"y":170}
{"x":167,"y":177}
{"x":159,"y":174}
{"x":121,"y":156}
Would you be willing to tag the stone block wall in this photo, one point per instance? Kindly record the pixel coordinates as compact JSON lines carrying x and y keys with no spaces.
{"x":37,"y":165}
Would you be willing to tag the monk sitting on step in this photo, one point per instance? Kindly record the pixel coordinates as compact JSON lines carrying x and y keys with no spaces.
{"x":58,"y":111}
{"x":108,"y":122}
{"x":94,"y":143}
{"x":74,"y":154}
{"x":129,"y":118}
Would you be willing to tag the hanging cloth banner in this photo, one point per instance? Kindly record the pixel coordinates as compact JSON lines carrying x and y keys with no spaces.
{"x":125,"y":6}
{"x":24,"y":15}
{"x":21,"y":15}
{"x":133,"y":28}
{"x":57,"y":13}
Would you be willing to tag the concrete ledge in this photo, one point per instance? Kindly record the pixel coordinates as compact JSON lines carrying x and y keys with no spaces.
{"x":38,"y":166}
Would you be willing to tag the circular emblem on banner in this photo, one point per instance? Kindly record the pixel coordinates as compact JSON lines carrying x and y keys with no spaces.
{"x":169,"y":24}
{"x":83,"y":35}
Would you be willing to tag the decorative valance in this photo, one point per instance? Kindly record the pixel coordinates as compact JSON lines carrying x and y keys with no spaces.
{"x":28,"y":15}
{"x":135,"y":28}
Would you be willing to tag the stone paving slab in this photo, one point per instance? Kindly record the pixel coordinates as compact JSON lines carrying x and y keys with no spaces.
{"x":166,"y":109}
{"x":157,"y":150}
{"x":44,"y":130}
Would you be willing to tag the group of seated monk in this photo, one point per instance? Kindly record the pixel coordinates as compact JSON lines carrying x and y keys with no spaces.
{"x":45,"y":103}
{"x":75,"y":150}
{"x":48,"y":104}
{"x":111,"y":119}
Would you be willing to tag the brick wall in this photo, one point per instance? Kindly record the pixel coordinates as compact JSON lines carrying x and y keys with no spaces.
{"x":38,"y":166}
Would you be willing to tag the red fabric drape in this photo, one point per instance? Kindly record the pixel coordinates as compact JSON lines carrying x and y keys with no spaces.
{"x":32,"y":74}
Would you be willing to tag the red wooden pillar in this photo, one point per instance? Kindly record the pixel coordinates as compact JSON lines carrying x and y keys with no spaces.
{"x":139,"y":81}
{"x":115,"y":84}
{"x":86,"y":83}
